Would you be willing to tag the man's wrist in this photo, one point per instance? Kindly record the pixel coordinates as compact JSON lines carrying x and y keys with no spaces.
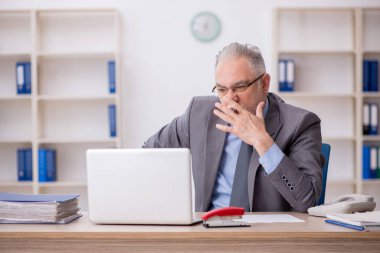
{"x":262,"y":145}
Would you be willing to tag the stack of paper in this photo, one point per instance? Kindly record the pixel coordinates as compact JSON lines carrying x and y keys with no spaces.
{"x":38,"y":208}
{"x":362,"y":221}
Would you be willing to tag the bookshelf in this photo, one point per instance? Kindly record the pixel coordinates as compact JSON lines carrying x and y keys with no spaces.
{"x":328,"y":46}
{"x":67,"y":109}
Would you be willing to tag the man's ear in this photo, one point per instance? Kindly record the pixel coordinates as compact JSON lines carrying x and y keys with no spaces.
{"x":266,"y":82}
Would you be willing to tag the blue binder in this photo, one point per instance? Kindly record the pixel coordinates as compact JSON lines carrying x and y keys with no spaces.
{"x":378,"y":163}
{"x":47,"y":171}
{"x":51,"y":171}
{"x":290,"y":72}
{"x":51,"y":198}
{"x":28,"y":78}
{"x":374,"y":118}
{"x":21,"y":175}
{"x":23,"y":78}
{"x":366,"y":118}
{"x":374,"y":75}
{"x":20,"y":78}
{"x":24,"y":164}
{"x":112,"y":120}
{"x":366,"y":75}
{"x":111,"y":76}
{"x":29,"y":164}
{"x":282,"y":75}
{"x":366,"y":161}
{"x":373,"y":162}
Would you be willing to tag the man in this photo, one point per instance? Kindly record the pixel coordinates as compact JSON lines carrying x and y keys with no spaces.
{"x":249,"y":148}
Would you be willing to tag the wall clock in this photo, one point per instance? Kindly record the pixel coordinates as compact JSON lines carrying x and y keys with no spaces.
{"x":205,"y":26}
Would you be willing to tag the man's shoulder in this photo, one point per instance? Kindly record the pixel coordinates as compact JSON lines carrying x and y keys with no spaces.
{"x":204,"y":101}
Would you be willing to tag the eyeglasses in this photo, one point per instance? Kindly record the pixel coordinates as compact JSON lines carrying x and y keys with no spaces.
{"x":239,"y":88}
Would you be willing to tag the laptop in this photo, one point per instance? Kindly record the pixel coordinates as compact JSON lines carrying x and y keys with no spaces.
{"x":140,"y":186}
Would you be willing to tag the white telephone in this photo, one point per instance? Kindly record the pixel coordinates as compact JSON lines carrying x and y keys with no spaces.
{"x":349,"y":203}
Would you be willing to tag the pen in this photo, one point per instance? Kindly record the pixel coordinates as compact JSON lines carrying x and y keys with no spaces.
{"x":342,"y":224}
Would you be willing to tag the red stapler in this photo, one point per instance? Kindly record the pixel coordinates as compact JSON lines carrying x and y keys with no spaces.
{"x":224,"y":217}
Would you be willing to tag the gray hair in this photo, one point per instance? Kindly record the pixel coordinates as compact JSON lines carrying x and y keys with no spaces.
{"x":236,"y":50}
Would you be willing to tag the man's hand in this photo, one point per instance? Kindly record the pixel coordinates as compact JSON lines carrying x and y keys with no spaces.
{"x":248,"y":127}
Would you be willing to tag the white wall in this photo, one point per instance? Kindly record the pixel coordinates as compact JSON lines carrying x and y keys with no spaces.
{"x":163,"y":66}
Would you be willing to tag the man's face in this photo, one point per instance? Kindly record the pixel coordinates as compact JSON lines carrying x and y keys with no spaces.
{"x":235,"y":72}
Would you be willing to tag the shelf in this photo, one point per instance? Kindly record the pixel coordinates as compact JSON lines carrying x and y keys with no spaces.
{"x":15,"y":184}
{"x":338,"y":138}
{"x":340,"y":182}
{"x":15,"y":55}
{"x":371,"y":138}
{"x":371,"y":181}
{"x":76,"y":98}
{"x":371,"y":51}
{"x":78,"y":54}
{"x":301,"y":94}
{"x":315,"y":30}
{"x":15,"y":31}
{"x":316,"y":51}
{"x":15,"y":141}
{"x":63,"y":184}
{"x":77,"y":141}
{"x":77,"y":31}
{"x":15,"y":98}
{"x":69,"y":110}
{"x":371,"y":94}
{"x":328,"y":46}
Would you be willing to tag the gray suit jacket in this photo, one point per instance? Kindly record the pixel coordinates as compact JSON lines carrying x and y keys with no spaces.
{"x":296,"y":182}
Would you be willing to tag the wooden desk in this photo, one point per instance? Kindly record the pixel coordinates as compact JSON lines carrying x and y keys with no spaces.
{"x":83,"y":236}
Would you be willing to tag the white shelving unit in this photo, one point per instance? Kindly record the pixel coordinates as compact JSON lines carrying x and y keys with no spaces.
{"x":69,"y":52}
{"x":328,"y":46}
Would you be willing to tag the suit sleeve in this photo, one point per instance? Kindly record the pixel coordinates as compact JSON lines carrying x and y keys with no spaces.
{"x":298,"y":177}
{"x":176,"y":134}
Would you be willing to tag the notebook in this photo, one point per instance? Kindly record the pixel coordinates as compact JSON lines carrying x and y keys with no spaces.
{"x":140,"y":186}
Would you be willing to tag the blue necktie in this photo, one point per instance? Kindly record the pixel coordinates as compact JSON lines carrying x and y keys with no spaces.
{"x":239,"y":193}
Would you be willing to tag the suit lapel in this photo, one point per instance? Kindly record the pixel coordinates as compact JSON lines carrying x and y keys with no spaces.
{"x":273,"y":125}
{"x":214,"y":149}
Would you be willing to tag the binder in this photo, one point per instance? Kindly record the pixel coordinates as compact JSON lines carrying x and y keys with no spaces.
{"x":24,"y":164}
{"x":42,"y":177}
{"x":51,"y":172}
{"x":28,"y":164}
{"x":373,"y":163}
{"x":47,"y":171}
{"x":21,"y":174}
{"x":286,"y":69}
{"x":290,"y":69}
{"x":282,"y":75}
{"x":374,"y":75}
{"x":23,"y":78}
{"x":366,"y":117}
{"x":366,"y":161}
{"x":366,"y":75}
{"x":28,"y":78}
{"x":20,"y":80}
{"x":374,"y":119}
{"x":112,"y":120}
{"x":378,"y":162}
{"x":111,"y":76}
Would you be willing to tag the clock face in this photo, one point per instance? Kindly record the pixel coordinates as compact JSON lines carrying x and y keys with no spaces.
{"x":205,"y":26}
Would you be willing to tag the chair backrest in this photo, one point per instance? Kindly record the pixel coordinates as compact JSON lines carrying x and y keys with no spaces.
{"x":326,"y":154}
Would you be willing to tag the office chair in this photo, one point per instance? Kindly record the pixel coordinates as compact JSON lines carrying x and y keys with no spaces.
{"x":326,"y":154}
